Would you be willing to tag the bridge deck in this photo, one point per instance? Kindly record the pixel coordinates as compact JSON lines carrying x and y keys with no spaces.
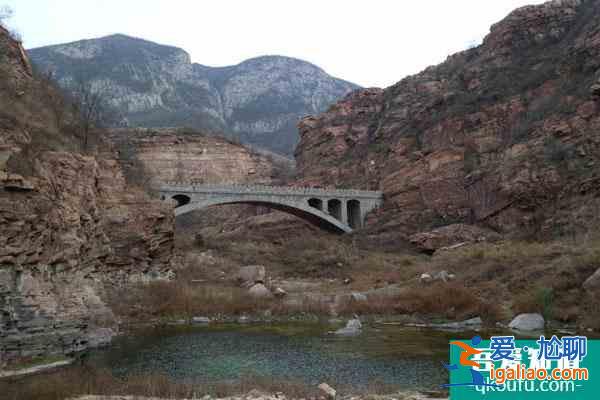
{"x":268,"y":190}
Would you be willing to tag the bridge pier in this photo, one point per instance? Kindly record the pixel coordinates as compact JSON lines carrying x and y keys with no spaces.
{"x":345,"y":212}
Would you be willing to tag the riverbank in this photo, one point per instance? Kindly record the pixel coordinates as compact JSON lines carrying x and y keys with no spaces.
{"x":93,"y":384}
{"x":255,"y":395}
{"x":339,"y":277}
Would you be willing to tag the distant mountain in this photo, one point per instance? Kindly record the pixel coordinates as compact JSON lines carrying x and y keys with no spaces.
{"x":259,"y":101}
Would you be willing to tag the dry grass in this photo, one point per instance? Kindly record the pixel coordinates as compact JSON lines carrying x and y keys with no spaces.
{"x":320,"y":256}
{"x":493,"y":280}
{"x":82,"y":381}
{"x":438,"y":300}
{"x":544,"y":277}
{"x":184,"y":300}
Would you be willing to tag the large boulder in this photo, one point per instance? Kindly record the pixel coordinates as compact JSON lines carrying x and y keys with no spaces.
{"x":260,"y":291}
{"x":328,"y":391}
{"x":528,"y":322}
{"x":250,"y":275}
{"x":353,"y":327}
{"x":200,"y":320}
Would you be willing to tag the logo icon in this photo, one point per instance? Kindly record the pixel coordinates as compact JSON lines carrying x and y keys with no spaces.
{"x":467,"y":352}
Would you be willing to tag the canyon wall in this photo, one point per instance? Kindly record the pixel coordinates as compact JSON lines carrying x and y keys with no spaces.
{"x":505,"y":135}
{"x":71,"y":228}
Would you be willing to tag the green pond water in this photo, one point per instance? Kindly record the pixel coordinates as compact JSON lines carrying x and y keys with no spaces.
{"x":392,"y":355}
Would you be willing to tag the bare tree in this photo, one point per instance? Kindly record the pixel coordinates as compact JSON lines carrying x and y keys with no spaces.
{"x":54,"y":97}
{"x":91,"y":107}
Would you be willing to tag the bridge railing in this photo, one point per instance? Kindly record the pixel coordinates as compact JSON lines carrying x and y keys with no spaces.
{"x":265,"y":189}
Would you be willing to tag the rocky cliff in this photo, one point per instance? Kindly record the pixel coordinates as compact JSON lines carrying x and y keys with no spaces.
{"x":169,"y":154}
{"x":259,"y":100}
{"x":504,"y":135}
{"x":71,"y":228}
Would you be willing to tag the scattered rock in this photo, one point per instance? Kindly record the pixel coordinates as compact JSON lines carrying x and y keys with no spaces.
{"x":426,"y":278}
{"x":327,"y":390}
{"x":444,"y":276}
{"x":528,"y":322}
{"x":358,"y":297}
{"x":451,"y":236}
{"x":200,"y":320}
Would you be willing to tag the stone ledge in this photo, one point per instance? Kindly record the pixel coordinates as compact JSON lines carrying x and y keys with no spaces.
{"x":35,"y":369}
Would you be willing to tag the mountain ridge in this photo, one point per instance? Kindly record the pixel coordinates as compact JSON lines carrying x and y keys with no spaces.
{"x":259,"y":100}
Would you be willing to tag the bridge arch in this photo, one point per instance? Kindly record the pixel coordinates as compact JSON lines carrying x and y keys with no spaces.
{"x":304,"y":211}
{"x":181,"y":200}
{"x":332,"y":209}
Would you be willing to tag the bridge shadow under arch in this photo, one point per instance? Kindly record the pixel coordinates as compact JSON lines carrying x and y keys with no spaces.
{"x":307,"y":213}
{"x":181,"y":200}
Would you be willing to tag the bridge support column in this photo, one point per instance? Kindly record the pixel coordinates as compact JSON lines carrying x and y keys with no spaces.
{"x":345,"y":212}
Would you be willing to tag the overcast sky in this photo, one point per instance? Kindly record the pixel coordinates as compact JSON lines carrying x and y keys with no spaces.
{"x":369,"y":42}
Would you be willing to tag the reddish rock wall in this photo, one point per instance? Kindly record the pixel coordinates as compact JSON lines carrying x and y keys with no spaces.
{"x":504,"y":135}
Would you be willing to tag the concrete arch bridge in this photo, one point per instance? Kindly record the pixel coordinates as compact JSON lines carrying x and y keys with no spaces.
{"x":331,"y":209}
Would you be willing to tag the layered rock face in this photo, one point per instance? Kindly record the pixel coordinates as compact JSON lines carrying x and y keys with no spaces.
{"x":259,"y":100}
{"x":71,"y":229}
{"x":154,"y":156}
{"x":504,"y":135}
{"x":172,"y":155}
{"x":66,"y":238}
